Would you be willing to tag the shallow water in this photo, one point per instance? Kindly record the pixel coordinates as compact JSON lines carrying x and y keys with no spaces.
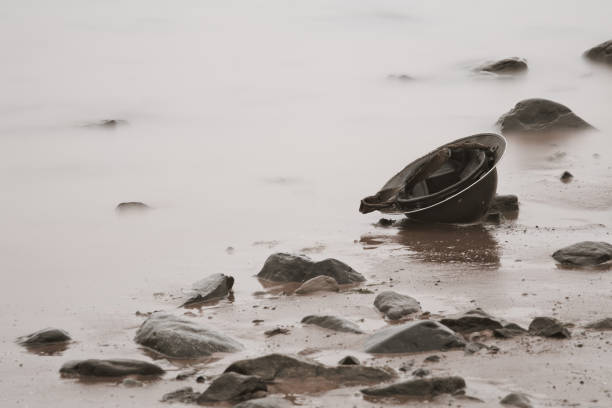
{"x":259,"y":126}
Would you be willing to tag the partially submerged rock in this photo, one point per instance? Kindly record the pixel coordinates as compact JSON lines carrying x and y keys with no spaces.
{"x":396,"y":306}
{"x":472,"y":321}
{"x":267,"y":402}
{"x":131,"y":206}
{"x":601,"y":324}
{"x":537,"y":115}
{"x":349,"y":360}
{"x":517,"y":399}
{"x":177,"y":337}
{"x":548,"y":327}
{"x":566,"y":177}
{"x":233,"y":387}
{"x":184,"y":395}
{"x":44,"y":337}
{"x":283,"y":267}
{"x":511,"y":65}
{"x":333,"y":323}
{"x":504,"y":204}
{"x":601,"y":53}
{"x":586,"y":253}
{"x":284,"y":367}
{"x":509,"y":331}
{"x":213,"y":287}
{"x":109,"y":368}
{"x":318,"y":284}
{"x":422,"y":387}
{"x":423,"y":335}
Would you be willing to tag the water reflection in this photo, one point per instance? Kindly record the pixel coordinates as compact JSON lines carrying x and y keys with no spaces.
{"x":442,"y":243}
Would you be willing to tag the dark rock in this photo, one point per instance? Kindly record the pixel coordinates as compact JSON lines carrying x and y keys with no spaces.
{"x":183,"y":375}
{"x":421,"y":372}
{"x":200,"y":379}
{"x":494,"y":217}
{"x":517,"y":399}
{"x":44,"y":337}
{"x":566,"y":177}
{"x":602,"y":324}
{"x":423,"y":387}
{"x":548,"y":327}
{"x":184,"y":395}
{"x":333,"y":323}
{"x":132,"y":206}
{"x":395,"y":306}
{"x":509,"y":331}
{"x":505,"y":66}
{"x":406,"y":366}
{"x":472,"y":321}
{"x":474,"y":347}
{"x":233,"y":387}
{"x":177,"y":337}
{"x":504,"y":204}
{"x":432,"y":359}
{"x":586,"y":253}
{"x":109,"y":368}
{"x":601,"y":53}
{"x":213,"y":287}
{"x":349,"y":360}
{"x":300,"y":268}
{"x":384,"y":222}
{"x":536,"y":115}
{"x":277,"y":331}
{"x":268,"y":402}
{"x":284,"y":367}
{"x":423,"y":335}
{"x":318,"y":284}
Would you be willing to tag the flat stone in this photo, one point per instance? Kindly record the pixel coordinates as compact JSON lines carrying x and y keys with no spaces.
{"x":213,"y":287}
{"x":44,"y":337}
{"x":586,"y":253}
{"x":285,"y":367}
{"x":184,"y":395}
{"x":601,"y":53}
{"x":283,"y":267}
{"x":233,"y":387}
{"x":178,"y":337}
{"x":422,"y":387}
{"x":131,"y":206}
{"x":395,"y":305}
{"x":318,"y":284}
{"x":602,"y":324}
{"x":472,"y":321}
{"x":517,"y":399}
{"x":349,"y":360}
{"x":537,"y":115}
{"x":511,"y":65}
{"x":109,"y":368}
{"x":548,"y":327}
{"x":267,"y":402}
{"x":423,"y":335}
{"x":333,"y":323}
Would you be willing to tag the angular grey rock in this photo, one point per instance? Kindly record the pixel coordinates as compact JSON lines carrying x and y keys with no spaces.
{"x":548,"y":327}
{"x":511,"y":65}
{"x":349,"y":360}
{"x":566,"y":177}
{"x":601,"y":53}
{"x":601,"y":324}
{"x":233,"y":387}
{"x":422,"y":387}
{"x":177,"y":337}
{"x":421,"y":372}
{"x":536,"y":115}
{"x":509,"y":331}
{"x":184,"y":395}
{"x":131,"y":206}
{"x":472,"y":321}
{"x":44,"y":337}
{"x":586,"y":253}
{"x":267,"y":402}
{"x":283,"y":267}
{"x":333,"y":323}
{"x":213,"y":287}
{"x":109,"y":368}
{"x":517,"y":399}
{"x":280,"y":366}
{"x":395,"y":306}
{"x":423,"y":335}
{"x":318,"y":284}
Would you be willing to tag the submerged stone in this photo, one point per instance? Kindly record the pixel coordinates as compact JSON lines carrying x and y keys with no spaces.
{"x":548,"y":327}
{"x":511,"y":65}
{"x":537,"y":115}
{"x":423,"y":335}
{"x":349,"y":360}
{"x":283,"y":267}
{"x":422,"y":387}
{"x":601,"y":53}
{"x":44,"y":337}
{"x":131,"y":206}
{"x":213,"y":287}
{"x":472,"y":321}
{"x":333,"y":323}
{"x":184,"y":395}
{"x":586,"y":253}
{"x":602,"y":324}
{"x":517,"y":399}
{"x":233,"y":387}
{"x":395,"y":305}
{"x":504,"y":204}
{"x":318,"y":284}
{"x":109,"y":368}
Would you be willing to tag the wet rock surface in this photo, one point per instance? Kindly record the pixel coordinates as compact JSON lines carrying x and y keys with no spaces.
{"x":233,"y":387}
{"x":184,"y":395}
{"x":423,"y":387}
{"x":285,"y":367}
{"x":213,"y":287}
{"x":44,"y":337}
{"x":504,"y":204}
{"x":131,"y":206}
{"x":601,"y":324}
{"x":517,"y":399}
{"x":318,"y":284}
{"x":513,"y":65}
{"x":396,"y":306}
{"x":333,"y":323}
{"x":424,"y":335}
{"x":586,"y":253}
{"x":548,"y":327}
{"x":178,"y":337}
{"x":472,"y":321}
{"x":601,"y":53}
{"x":537,"y":115}
{"x":267,"y":402}
{"x":109,"y":368}
{"x":283,"y":267}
